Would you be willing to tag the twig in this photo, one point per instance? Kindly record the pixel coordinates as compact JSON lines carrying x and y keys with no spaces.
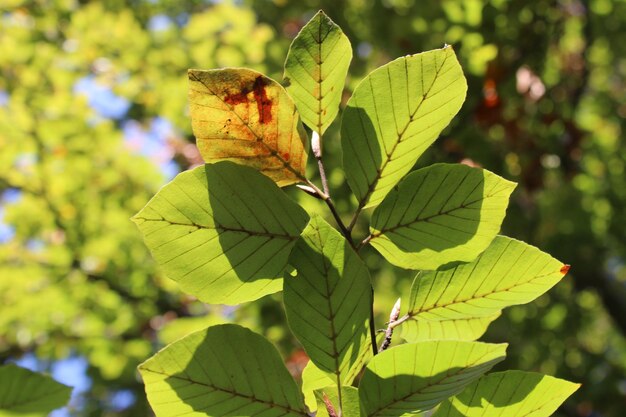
{"x":373,"y":326}
{"x":393,"y":317}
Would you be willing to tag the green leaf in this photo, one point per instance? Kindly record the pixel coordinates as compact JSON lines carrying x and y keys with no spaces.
{"x":418,"y":330}
{"x":509,"y":272}
{"x":440,"y":214}
{"x":328,"y":299}
{"x":313,"y":378}
{"x":223,"y":232}
{"x":416,"y":377}
{"x":240,"y":115}
{"x":349,"y":401}
{"x":316,"y":69}
{"x":225,"y":370}
{"x":25,"y":393}
{"x":394,"y":115}
{"x":509,"y":394}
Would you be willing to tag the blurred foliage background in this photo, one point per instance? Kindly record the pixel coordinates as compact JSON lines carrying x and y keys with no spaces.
{"x":93,"y":120}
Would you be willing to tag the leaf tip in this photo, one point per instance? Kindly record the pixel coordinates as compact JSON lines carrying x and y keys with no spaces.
{"x":564,"y":269}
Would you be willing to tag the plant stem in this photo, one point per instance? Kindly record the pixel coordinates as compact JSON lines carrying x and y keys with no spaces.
{"x":355,"y":217}
{"x":324,"y":194}
{"x":373,"y":326}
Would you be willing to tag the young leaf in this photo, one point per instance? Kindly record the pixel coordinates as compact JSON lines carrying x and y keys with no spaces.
{"x":313,"y":378}
{"x":509,"y":272}
{"x":316,"y":69}
{"x":223,"y":232}
{"x":394,"y":115}
{"x":328,"y":398}
{"x":413,"y":378}
{"x":509,"y":394}
{"x":328,"y":300}
{"x":418,"y":330}
{"x":440,"y":214}
{"x":225,"y":370}
{"x":29,"y":394}
{"x":240,"y":115}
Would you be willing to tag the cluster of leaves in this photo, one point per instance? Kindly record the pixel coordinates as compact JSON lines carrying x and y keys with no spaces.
{"x":545,"y":109}
{"x":74,"y":278}
{"x":228,"y":234}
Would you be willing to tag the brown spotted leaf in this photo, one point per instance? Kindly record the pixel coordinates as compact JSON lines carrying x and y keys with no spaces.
{"x":240,"y":115}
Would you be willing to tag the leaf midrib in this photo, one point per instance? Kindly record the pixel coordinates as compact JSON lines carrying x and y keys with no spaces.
{"x":426,"y":219}
{"x":29,"y":401}
{"x":222,"y":228}
{"x":252,"y":399}
{"x":274,"y":152}
{"x":438,"y":382}
{"x":475,"y":297}
{"x":379,"y":171}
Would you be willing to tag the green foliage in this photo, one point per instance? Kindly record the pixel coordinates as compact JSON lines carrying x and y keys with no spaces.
{"x":227,"y":233}
{"x":412,"y":378}
{"x":440,"y":214}
{"x":28,"y":394}
{"x":394,"y":115}
{"x":328,"y":402}
{"x":316,"y":69}
{"x":328,"y":300}
{"x":226,"y":370}
{"x":75,"y":277}
{"x":471,"y":295}
{"x":239,"y":233}
{"x":509,"y":394}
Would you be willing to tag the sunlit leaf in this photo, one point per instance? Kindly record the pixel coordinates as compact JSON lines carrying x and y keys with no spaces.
{"x":509,"y":272}
{"x":225,"y":370}
{"x":328,"y":299}
{"x":328,"y":397}
{"x":313,"y":378}
{"x":394,"y":115}
{"x":509,"y":394}
{"x":25,"y":393}
{"x":412,"y":378}
{"x":240,"y":115}
{"x":223,"y":232}
{"x":316,"y":69}
{"x":416,"y":329}
{"x":440,"y":214}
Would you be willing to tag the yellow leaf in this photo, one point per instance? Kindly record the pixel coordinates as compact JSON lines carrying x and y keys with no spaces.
{"x":242,"y":116}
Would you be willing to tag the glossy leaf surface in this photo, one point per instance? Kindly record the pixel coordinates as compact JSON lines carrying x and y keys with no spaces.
{"x":240,"y":115}
{"x":509,"y":394}
{"x":440,"y":214}
{"x":316,"y":69}
{"x":413,"y":378}
{"x":394,"y":115}
{"x":225,"y":370}
{"x":223,"y":232}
